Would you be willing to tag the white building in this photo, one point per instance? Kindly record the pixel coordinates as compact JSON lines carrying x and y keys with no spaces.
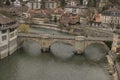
{"x":34,"y":4}
{"x":50,"y":4}
{"x":111,"y":16}
{"x":17,"y":3}
{"x":8,"y":36}
{"x":85,"y":2}
{"x":75,"y":9}
{"x":72,"y":2}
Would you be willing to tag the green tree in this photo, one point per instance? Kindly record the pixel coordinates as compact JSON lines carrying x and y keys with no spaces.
{"x":63,"y":3}
{"x":107,"y":6}
{"x":43,"y":4}
{"x":7,"y":2}
{"x":23,"y":28}
{"x":12,"y":0}
{"x":81,"y":2}
{"x":95,"y":3}
{"x":1,"y":2}
{"x":91,"y":3}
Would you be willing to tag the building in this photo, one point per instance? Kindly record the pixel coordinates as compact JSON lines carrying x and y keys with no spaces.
{"x":97,"y":19}
{"x":72,"y":2}
{"x":85,"y":2}
{"x":72,"y":9}
{"x":50,"y":4}
{"x":17,"y":3}
{"x":34,"y":4}
{"x":75,"y":9}
{"x":57,"y":14}
{"x":111,"y":16}
{"x":8,"y":36}
{"x":39,"y":16}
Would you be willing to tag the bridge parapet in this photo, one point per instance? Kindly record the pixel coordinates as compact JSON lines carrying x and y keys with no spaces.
{"x":79,"y":38}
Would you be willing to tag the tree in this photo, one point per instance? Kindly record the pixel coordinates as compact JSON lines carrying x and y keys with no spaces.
{"x":7,"y":2}
{"x":90,"y":14}
{"x":55,"y":19}
{"x":58,"y":4}
{"x":95,"y":3}
{"x":23,"y":28}
{"x":81,"y":2}
{"x":91,"y":3}
{"x":107,"y":6}
{"x":12,"y":0}
{"x":63,"y":3}
{"x":43,"y":4}
{"x":1,"y":2}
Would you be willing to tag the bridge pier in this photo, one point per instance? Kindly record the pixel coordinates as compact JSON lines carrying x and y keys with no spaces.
{"x":78,"y":52}
{"x":44,"y":50}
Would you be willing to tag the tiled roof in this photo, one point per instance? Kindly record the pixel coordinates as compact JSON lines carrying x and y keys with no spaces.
{"x":40,"y":13}
{"x":4,"y":19}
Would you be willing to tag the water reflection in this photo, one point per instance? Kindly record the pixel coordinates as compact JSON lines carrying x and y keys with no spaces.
{"x":32,"y":47}
{"x":62,"y":50}
{"x":96,"y":51}
{"x":21,"y":66}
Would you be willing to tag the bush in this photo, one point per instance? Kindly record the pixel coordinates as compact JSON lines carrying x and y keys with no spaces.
{"x":23,"y":28}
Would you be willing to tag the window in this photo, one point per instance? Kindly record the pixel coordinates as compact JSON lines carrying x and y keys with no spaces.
{"x":74,"y":10}
{"x":4,"y":38}
{"x":11,"y":30}
{"x":4,"y":31}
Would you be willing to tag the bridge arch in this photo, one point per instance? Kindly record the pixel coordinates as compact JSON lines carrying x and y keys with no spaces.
{"x":96,"y":50}
{"x":88,"y":43}
{"x":31,"y":46}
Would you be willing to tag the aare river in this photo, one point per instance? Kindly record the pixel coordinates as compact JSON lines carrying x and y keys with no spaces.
{"x":34,"y":65}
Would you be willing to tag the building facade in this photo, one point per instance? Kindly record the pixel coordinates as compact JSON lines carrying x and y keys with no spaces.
{"x":50,"y":4}
{"x":17,"y":3}
{"x":34,"y":4}
{"x":75,"y":9}
{"x":72,"y":2}
{"x":8,"y":36}
{"x":111,"y":16}
{"x":85,"y":2}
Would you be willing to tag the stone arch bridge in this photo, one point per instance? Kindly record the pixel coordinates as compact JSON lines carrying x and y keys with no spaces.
{"x":45,"y":40}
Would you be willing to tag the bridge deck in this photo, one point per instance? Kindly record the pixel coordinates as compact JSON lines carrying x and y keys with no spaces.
{"x":48,"y":36}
